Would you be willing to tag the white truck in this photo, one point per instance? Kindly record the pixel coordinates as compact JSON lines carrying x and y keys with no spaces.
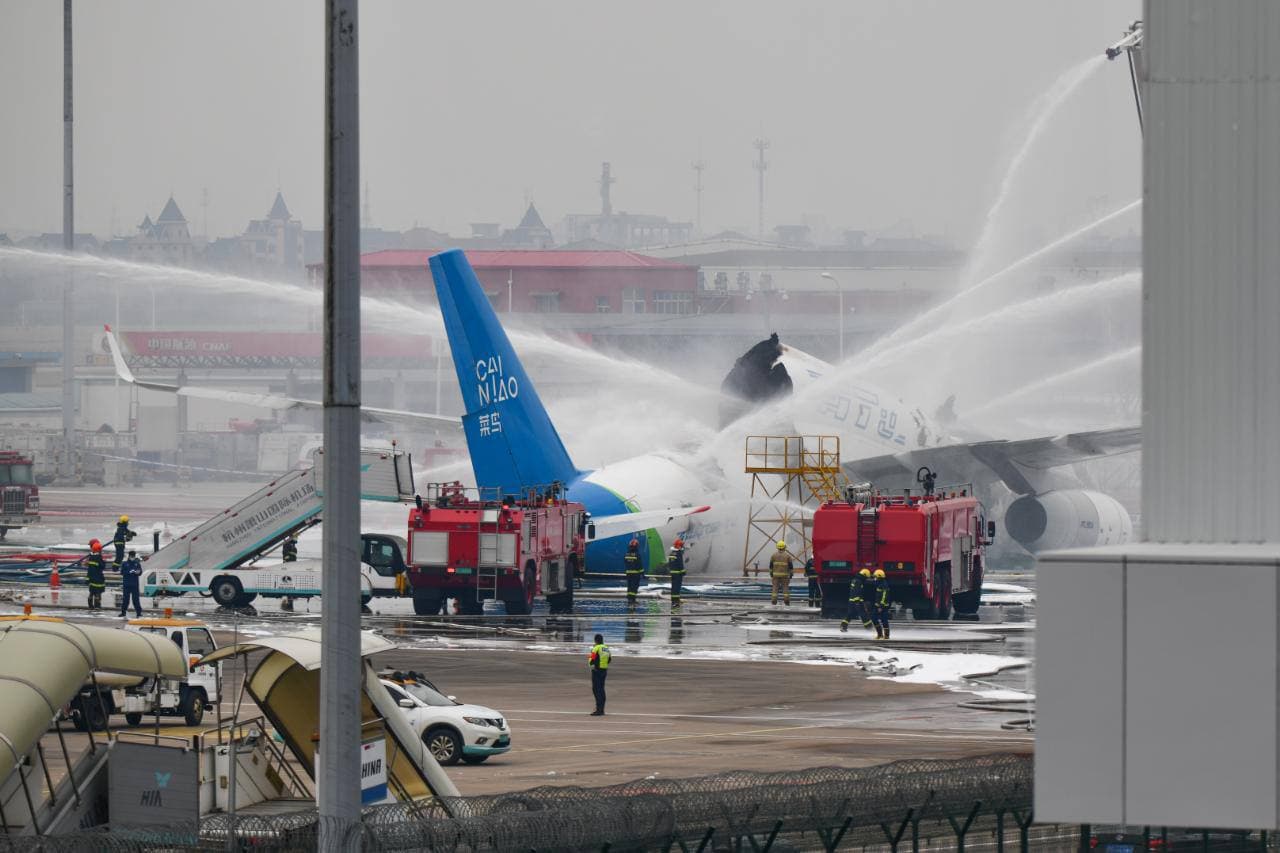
{"x":211,"y":559}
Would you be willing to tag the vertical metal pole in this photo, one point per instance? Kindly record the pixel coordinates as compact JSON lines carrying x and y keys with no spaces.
{"x":339,"y":777}
{"x":67,"y":471}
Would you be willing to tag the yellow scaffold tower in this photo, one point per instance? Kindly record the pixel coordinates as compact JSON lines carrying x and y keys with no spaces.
{"x":791,"y":476}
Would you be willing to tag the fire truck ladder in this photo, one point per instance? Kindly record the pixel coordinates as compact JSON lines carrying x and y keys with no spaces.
{"x":487,"y":550}
{"x":868,"y":530}
{"x":791,"y":476}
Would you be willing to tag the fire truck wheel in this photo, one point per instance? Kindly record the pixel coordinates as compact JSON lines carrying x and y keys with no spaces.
{"x":835,"y":599}
{"x":967,"y":603}
{"x":521,"y":604}
{"x":192,"y":707}
{"x":468,"y":605}
{"x":426,"y":602}
{"x":444,"y":744}
{"x":942,"y":583}
{"x":227,"y":591}
{"x":133,"y":718}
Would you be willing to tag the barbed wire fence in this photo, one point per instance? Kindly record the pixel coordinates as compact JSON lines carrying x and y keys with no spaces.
{"x":905,"y":805}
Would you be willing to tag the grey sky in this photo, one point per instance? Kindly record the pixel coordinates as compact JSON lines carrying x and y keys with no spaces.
{"x":877,"y":111}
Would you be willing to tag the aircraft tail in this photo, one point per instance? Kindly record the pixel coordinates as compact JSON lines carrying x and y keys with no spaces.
{"x":511,"y":439}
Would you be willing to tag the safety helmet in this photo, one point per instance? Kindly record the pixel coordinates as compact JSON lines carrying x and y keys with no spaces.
{"x":679,"y":543}
{"x":124,"y":519}
{"x":782,"y":546}
{"x":879,"y":573}
{"x":95,"y":546}
{"x":866,"y":573}
{"x":634,"y":544}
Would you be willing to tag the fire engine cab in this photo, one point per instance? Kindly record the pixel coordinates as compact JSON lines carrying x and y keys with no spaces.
{"x":930,"y":547}
{"x":19,"y":494}
{"x":472,"y":547}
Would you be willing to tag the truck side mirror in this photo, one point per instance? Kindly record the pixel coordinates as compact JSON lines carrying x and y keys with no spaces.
{"x":991,"y":531}
{"x":591,"y":530}
{"x":406,"y":703}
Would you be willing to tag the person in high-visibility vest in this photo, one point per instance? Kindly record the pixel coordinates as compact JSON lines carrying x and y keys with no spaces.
{"x":675,"y":566}
{"x":598,"y":660}
{"x":121,"y":538}
{"x":95,"y":575}
{"x":633,"y":567}
{"x":859,"y":591}
{"x":780,"y":569}
{"x":880,"y":605}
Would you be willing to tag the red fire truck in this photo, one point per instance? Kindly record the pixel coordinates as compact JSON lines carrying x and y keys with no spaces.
{"x":19,"y":494}
{"x":509,"y":548}
{"x":930,"y":547}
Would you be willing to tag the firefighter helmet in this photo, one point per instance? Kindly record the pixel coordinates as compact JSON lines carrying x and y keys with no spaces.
{"x":866,"y":573}
{"x":879,"y":573}
{"x":635,"y":543}
{"x":782,"y":546}
{"x":679,"y":543}
{"x":95,"y":546}
{"x":124,"y":519}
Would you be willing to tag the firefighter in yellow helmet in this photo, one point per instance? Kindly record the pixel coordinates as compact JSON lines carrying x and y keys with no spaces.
{"x":121,"y":538}
{"x":879,"y":604}
{"x":859,"y":591}
{"x":780,"y":569}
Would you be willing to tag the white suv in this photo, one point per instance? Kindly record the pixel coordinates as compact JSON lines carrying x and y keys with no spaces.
{"x":451,"y":730}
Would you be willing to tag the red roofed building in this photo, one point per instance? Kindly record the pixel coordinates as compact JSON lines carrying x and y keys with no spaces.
{"x":546,"y":281}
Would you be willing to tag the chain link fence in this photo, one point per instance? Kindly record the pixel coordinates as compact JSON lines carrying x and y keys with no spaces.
{"x":904,"y":805}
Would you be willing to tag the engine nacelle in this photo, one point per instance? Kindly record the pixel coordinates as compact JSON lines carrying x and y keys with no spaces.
{"x":1067,"y":519}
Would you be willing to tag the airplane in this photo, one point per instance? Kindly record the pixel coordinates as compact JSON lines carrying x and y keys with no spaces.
{"x":656,"y":497}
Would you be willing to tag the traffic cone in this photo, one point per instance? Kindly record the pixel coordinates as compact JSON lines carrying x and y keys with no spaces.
{"x":55,"y":583}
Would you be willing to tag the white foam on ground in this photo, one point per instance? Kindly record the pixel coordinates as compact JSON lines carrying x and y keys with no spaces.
{"x":857,"y":632}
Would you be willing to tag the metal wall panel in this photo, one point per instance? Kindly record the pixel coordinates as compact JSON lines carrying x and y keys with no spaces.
{"x":1211,"y":222}
{"x":1080,"y":691}
{"x":1200,"y":697}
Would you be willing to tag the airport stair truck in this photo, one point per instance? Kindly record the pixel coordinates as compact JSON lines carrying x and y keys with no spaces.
{"x":510,"y":550}
{"x":19,"y":494}
{"x":211,"y":559}
{"x":930,"y":547}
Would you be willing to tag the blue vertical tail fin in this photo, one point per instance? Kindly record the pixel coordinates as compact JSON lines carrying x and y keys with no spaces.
{"x":510,"y":437}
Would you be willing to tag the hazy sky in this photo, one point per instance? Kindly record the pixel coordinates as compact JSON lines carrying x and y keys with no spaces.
{"x":878,"y":111}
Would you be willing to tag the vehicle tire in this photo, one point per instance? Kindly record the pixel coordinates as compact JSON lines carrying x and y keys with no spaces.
{"x":942,"y":584}
{"x":245,"y":599}
{"x":469,"y":605}
{"x":967,"y":603}
{"x":192,"y":707}
{"x":523,"y":604}
{"x":226,"y":591}
{"x":444,"y":745}
{"x":835,"y":599}
{"x":570,"y":579}
{"x":475,"y":759}
{"x":92,"y":715}
{"x":133,"y":718}
{"x":426,"y":602}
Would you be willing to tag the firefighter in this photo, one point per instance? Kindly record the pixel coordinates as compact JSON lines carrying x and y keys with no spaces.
{"x":675,"y":566}
{"x":780,"y":569}
{"x":634,"y":569}
{"x":815,"y":590}
{"x":880,"y":604}
{"x":122,"y":536}
{"x":598,"y":660}
{"x":289,"y":551}
{"x":95,"y":575}
{"x":859,"y":592}
{"x":131,"y":583}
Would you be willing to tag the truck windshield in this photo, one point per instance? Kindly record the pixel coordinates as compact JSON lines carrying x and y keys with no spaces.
{"x":429,"y":696}
{"x":20,"y":474}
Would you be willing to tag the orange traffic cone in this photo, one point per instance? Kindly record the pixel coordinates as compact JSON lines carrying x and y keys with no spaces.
{"x":55,"y":583}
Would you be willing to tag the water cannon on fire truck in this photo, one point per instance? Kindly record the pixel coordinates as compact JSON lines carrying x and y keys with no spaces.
{"x":930,"y":546}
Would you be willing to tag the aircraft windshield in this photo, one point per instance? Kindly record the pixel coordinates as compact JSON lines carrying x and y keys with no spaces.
{"x":426,"y":694}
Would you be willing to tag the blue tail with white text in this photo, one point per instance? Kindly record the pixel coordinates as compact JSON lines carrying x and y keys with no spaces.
{"x":512,"y":442}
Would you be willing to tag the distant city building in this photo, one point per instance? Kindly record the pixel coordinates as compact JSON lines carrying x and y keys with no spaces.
{"x":531,"y":233}
{"x":53,"y":243}
{"x":274,"y":242}
{"x":165,"y":241}
{"x":621,"y":229}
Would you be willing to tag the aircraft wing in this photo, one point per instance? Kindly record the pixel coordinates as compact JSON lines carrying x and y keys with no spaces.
{"x":1002,"y":458}
{"x":632,"y":522}
{"x":268,"y":401}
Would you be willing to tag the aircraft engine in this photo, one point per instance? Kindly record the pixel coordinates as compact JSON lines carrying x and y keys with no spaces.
{"x":1067,"y":519}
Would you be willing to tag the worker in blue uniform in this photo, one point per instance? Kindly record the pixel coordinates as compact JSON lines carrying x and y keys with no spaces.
{"x":860,"y":591}
{"x":131,"y":585}
{"x":633,"y":568}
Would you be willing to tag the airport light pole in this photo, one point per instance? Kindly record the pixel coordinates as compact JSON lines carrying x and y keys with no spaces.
{"x":338,"y":778}
{"x":840,"y":295}
{"x":67,"y":470}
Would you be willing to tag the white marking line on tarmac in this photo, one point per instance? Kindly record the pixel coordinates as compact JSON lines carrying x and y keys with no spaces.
{"x":652,"y":740}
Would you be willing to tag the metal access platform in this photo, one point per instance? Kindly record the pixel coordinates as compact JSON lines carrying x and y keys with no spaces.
{"x":791,"y":476}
